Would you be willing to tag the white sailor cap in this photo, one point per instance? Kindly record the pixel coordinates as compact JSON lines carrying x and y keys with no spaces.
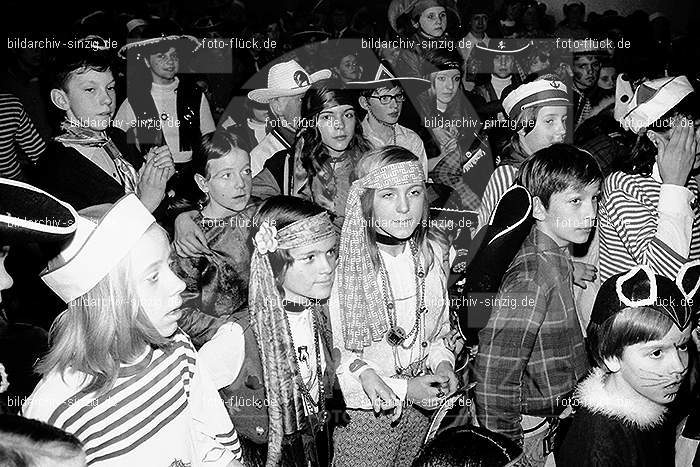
{"x":649,"y":102}
{"x":97,"y":247}
{"x":540,"y":92}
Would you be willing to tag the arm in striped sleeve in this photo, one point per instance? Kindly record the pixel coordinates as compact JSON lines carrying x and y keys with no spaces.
{"x":662,"y":242}
{"x":28,"y":138}
{"x":501,"y":179}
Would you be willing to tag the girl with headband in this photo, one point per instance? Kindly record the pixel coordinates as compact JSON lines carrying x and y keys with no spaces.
{"x":120,"y":375}
{"x":292,"y":272}
{"x":389,"y":313}
{"x":639,"y":337}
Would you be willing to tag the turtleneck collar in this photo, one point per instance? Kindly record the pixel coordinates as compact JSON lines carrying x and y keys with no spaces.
{"x":165,"y":88}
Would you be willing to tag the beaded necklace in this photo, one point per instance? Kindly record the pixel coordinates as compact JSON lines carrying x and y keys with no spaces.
{"x":397,"y":336}
{"x":320,"y":406}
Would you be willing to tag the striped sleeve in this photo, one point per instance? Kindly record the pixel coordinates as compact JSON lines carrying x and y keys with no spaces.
{"x":501,"y":179}
{"x":28,"y":138}
{"x":17,"y":133}
{"x":635,"y":229}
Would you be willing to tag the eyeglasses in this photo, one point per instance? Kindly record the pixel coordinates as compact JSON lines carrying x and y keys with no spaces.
{"x":384,"y":99}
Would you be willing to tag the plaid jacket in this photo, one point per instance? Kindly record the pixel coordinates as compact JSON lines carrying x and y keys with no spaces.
{"x":531,"y":352}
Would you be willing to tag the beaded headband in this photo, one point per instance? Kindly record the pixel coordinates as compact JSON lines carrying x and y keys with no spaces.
{"x":363,"y":315}
{"x":306,"y":232}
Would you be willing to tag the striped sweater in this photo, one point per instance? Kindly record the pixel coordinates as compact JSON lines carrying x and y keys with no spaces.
{"x":633,"y":230}
{"x":163,"y":410}
{"x":18,"y":136}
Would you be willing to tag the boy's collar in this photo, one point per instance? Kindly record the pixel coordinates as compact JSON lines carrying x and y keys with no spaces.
{"x":546,"y":242}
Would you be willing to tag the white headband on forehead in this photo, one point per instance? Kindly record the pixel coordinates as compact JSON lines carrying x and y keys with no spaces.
{"x":98,"y":247}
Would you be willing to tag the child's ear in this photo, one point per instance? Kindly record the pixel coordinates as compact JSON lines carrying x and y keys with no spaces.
{"x":148,"y":65}
{"x":539,"y":212}
{"x":60,"y":99}
{"x":363,"y":102}
{"x":613,"y":364}
{"x":201,"y":183}
{"x":655,"y":138}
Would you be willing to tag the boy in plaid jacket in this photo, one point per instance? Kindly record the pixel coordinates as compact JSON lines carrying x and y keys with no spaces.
{"x":531,"y":352}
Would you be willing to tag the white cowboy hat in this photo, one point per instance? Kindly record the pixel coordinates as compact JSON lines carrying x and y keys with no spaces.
{"x":286,"y":79}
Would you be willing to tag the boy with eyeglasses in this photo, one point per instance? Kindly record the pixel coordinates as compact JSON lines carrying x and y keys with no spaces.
{"x":383,"y":98}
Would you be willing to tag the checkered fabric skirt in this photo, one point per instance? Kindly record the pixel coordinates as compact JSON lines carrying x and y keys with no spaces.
{"x":371,"y":441}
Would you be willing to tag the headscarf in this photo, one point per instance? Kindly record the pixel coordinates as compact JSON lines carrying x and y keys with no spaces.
{"x":361,"y":304}
{"x":269,"y":321}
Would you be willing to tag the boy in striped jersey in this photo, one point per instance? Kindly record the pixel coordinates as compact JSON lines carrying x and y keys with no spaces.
{"x":531,"y":352}
{"x":648,"y":212}
{"x":120,"y":375}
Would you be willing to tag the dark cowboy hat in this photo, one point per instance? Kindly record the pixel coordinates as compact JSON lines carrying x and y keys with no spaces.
{"x":159,"y":34}
{"x":499,"y":242}
{"x":28,"y":214}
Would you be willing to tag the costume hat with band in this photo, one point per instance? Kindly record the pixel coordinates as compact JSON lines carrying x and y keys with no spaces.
{"x":539,"y":92}
{"x":640,"y":287}
{"x":286,"y":79}
{"x":285,"y":390}
{"x":28,"y":214}
{"x":362,"y":308}
{"x":636,"y":110}
{"x":97,"y":247}
{"x":383,"y":76}
{"x":160,"y":35}
{"x":483,"y":55}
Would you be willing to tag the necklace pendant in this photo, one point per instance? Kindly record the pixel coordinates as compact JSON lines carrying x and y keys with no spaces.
{"x":395,"y":336}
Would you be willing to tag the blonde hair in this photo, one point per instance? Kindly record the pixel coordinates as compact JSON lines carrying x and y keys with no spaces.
{"x":376,"y":159}
{"x":101,"y":330}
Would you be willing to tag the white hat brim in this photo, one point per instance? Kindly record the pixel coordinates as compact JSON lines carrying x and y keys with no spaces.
{"x":155,"y":40}
{"x":265,"y":95}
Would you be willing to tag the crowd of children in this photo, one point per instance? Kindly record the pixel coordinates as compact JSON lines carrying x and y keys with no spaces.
{"x":315,"y":272}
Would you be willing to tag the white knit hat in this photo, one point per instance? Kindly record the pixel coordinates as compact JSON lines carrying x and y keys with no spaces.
{"x":97,"y":247}
{"x":649,"y":102}
{"x":286,"y":79}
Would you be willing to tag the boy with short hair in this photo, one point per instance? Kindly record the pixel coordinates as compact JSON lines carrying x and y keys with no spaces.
{"x":531,"y":352}
{"x":87,"y":164}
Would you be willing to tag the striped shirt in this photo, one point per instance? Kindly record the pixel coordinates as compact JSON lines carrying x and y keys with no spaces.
{"x":634,"y":229}
{"x":17,"y":136}
{"x":501,"y":179}
{"x":162,"y":410}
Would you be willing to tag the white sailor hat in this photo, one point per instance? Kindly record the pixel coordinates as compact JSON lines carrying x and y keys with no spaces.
{"x":99,"y":244}
{"x":649,"y":102}
{"x":539,"y":92}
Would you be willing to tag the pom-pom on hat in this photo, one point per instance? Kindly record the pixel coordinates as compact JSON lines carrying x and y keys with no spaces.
{"x":636,"y":110}
{"x":97,"y":247}
{"x":640,"y":287}
{"x":539,"y":92}
{"x":28,"y":214}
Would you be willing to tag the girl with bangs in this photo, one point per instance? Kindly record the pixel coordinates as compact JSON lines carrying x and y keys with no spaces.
{"x":389,"y":314}
{"x":120,"y":374}
{"x":639,"y":337}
